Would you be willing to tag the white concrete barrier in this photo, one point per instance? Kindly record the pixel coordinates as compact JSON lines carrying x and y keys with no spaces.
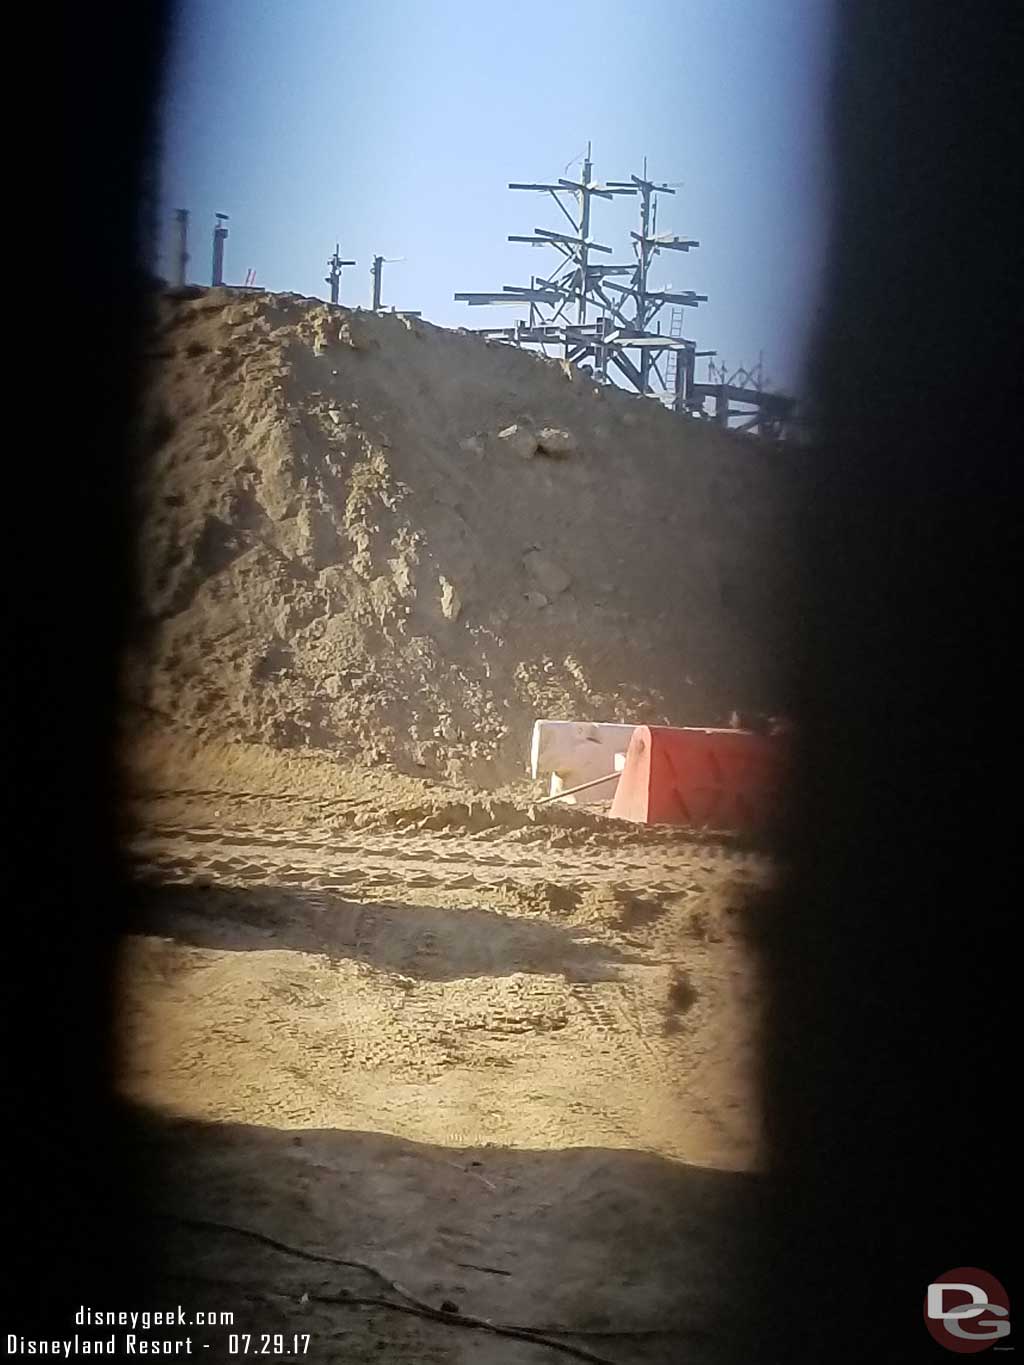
{"x":575,"y":751}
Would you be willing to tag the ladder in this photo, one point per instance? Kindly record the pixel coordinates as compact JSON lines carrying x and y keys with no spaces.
{"x":675,"y":330}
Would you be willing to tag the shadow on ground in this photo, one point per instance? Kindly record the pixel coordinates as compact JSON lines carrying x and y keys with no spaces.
{"x":422,"y":941}
{"x":631,"y":1257}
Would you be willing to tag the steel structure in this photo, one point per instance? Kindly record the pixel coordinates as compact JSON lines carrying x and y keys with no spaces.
{"x":220,"y":234}
{"x":333,"y":277}
{"x":624,"y":338}
{"x":377,"y":276}
{"x":620,"y":338}
{"x":772,"y":412}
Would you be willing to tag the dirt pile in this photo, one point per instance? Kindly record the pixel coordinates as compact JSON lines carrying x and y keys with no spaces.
{"x":398,"y":543}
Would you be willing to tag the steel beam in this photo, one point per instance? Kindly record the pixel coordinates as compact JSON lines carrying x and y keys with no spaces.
{"x":626,"y":367}
{"x":579,"y":188}
{"x":580,"y":241}
{"x":664,"y":241}
{"x":775,"y":403}
{"x":528,"y":296}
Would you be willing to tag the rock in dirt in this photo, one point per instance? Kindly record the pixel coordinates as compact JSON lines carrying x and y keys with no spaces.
{"x":549,"y":574}
{"x":451,"y":602}
{"x":557,"y":443}
{"x":521,"y":440}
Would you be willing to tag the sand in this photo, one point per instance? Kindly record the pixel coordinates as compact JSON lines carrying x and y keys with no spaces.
{"x":512,"y":1068}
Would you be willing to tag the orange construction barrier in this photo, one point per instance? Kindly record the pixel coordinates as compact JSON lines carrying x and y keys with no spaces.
{"x":714,"y":779}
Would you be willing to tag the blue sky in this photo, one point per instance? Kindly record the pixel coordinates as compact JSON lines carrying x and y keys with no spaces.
{"x":393,"y":126}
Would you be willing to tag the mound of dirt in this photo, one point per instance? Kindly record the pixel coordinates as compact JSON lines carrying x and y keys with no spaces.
{"x":400,"y":544}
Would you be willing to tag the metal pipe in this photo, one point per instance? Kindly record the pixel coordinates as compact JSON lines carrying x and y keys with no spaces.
{"x":571,"y":791}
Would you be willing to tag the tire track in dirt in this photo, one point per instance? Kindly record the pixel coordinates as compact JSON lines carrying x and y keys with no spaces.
{"x":438,"y":985}
{"x":273,"y":855}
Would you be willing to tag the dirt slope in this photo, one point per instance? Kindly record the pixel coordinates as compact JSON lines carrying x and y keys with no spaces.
{"x":341,"y":551}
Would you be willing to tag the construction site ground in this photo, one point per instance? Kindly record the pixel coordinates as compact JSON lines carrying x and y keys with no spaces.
{"x":498,"y":1059}
{"x":376,"y":1006}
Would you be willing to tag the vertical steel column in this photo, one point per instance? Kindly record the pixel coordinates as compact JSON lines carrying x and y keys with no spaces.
{"x":333,"y":278}
{"x":641,"y":283}
{"x":220,"y":233}
{"x":581,"y":312}
{"x":334,"y":274}
{"x":181,"y":216}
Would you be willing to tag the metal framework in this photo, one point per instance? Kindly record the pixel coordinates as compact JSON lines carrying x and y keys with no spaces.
{"x":333,"y":276}
{"x":377,"y":276}
{"x":620,"y":338}
{"x":767,"y":414}
{"x":624,"y":338}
